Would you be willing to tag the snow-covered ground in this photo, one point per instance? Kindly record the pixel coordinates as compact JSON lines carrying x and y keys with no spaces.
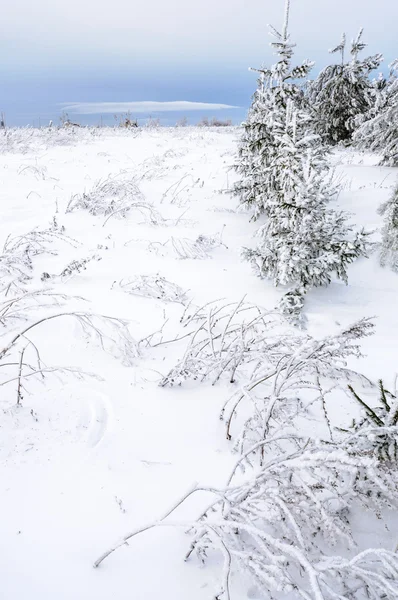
{"x":84,"y":460}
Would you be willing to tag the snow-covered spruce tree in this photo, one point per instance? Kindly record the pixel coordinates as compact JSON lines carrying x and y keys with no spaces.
{"x":389,"y":244}
{"x":259,"y":145}
{"x":378,"y":131}
{"x":285,"y":174}
{"x":342,"y":92}
{"x":303,"y":241}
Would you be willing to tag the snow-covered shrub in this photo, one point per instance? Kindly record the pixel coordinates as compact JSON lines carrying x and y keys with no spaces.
{"x":214,"y":122}
{"x":343,"y":92}
{"x":183,"y":122}
{"x":288,"y":523}
{"x":272,"y":363}
{"x":281,"y":524}
{"x":286,"y":516}
{"x":199,"y":248}
{"x":184,"y":248}
{"x":225,"y":339}
{"x":389,"y":244}
{"x":154,"y":286}
{"x":378,"y":129}
{"x":152,"y":123}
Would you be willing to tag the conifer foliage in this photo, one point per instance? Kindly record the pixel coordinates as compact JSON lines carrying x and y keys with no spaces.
{"x":378,"y":131}
{"x":343,"y":92}
{"x":259,"y":146}
{"x":287,"y":177}
{"x":389,"y":245}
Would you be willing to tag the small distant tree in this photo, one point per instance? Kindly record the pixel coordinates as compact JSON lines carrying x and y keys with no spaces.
{"x":378,"y":130}
{"x":342,"y":92}
{"x":183,"y":122}
{"x":389,"y":244}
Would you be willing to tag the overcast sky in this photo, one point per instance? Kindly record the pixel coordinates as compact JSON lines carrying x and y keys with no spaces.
{"x":90,"y":50}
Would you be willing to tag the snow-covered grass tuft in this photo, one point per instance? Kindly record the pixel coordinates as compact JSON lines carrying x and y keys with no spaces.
{"x":154,"y":286}
{"x":16,"y":259}
{"x":21,"y":318}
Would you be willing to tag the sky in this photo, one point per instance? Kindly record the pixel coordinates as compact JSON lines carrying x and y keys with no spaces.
{"x":57,"y":54}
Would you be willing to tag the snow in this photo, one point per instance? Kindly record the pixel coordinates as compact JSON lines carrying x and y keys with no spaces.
{"x":83,"y":461}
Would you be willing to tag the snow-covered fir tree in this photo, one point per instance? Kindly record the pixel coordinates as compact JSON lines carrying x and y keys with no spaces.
{"x":303,"y":241}
{"x":378,"y":130}
{"x":259,"y":146}
{"x":389,"y":244}
{"x":342,"y":92}
{"x":286,"y":176}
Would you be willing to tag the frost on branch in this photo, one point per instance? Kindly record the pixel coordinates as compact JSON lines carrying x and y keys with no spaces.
{"x":274,"y":364}
{"x":379,"y":423}
{"x":225,"y":339}
{"x":301,"y":374}
{"x":285,"y":523}
{"x":282,"y":523}
{"x":285,"y":515}
{"x":242,"y":338}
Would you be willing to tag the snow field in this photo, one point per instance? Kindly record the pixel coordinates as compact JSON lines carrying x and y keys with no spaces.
{"x":84,"y":460}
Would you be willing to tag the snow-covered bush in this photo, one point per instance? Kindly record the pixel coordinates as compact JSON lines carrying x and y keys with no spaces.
{"x":214,"y":122}
{"x":288,"y":522}
{"x":225,"y":339}
{"x":389,"y":244}
{"x":343,"y":92}
{"x":281,"y":525}
{"x":28,"y":139}
{"x":285,"y":516}
{"x":274,"y":364}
